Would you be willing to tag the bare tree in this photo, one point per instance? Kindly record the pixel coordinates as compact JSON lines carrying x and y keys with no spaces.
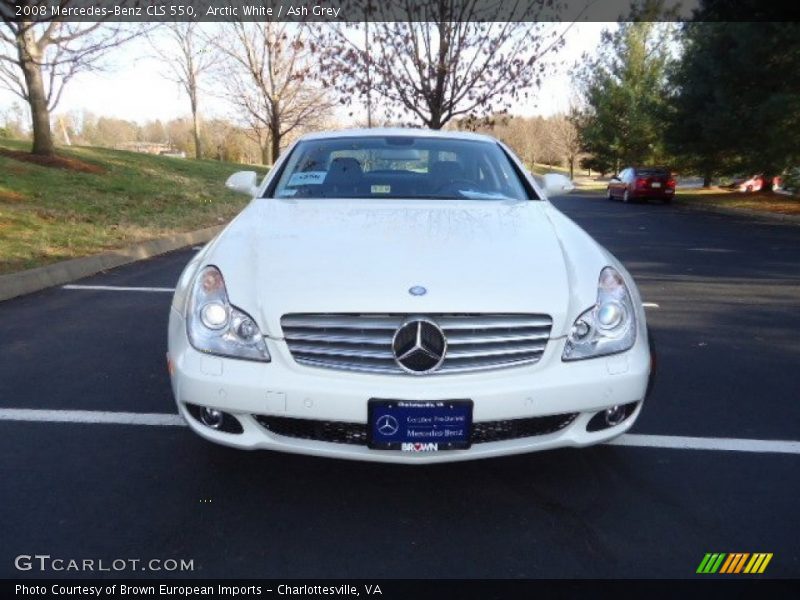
{"x":443,"y":60}
{"x":189,"y":56}
{"x":565,"y":138}
{"x":268,"y":76}
{"x":40,"y":54}
{"x":519,"y":133}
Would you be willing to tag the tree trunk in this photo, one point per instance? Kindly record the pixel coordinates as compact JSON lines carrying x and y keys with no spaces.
{"x":435,"y":121}
{"x":436,"y":96}
{"x":275,"y":151}
{"x":571,"y":168}
{"x":198,"y":151}
{"x":275,"y":138}
{"x":265,"y":150}
{"x":707,"y":180}
{"x":274,"y":129}
{"x":767,"y":185}
{"x":40,"y":114}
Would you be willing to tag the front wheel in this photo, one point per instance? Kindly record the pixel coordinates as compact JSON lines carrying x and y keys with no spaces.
{"x":609,"y":195}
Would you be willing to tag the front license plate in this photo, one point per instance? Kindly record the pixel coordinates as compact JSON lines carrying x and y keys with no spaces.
{"x":655,"y":184}
{"x":419,"y":426}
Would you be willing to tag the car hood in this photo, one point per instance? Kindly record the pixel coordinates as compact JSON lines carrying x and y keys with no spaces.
{"x":363,"y":256}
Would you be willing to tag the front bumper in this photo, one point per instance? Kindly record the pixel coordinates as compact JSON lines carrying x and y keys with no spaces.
{"x":251,"y":391}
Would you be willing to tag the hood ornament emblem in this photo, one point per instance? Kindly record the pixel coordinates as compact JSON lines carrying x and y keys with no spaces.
{"x":417,"y":290}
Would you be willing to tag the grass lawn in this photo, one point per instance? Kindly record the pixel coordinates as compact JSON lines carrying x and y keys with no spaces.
{"x":540,"y":169}
{"x":95,"y":200}
{"x":590,"y":184}
{"x":768,"y":202}
{"x":580,"y":179}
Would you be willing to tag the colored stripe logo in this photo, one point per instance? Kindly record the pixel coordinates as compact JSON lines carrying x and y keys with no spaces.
{"x":734,"y":563}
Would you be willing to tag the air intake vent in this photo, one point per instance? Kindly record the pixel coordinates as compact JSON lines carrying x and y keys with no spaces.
{"x":356,"y":433}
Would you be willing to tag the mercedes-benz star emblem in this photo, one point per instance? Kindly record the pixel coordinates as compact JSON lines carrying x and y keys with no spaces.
{"x":419,"y":346}
{"x":387,"y":425}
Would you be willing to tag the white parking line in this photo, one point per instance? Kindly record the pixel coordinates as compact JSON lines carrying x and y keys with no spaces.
{"x":90,"y":416}
{"x":650,"y":305}
{"x":636,"y":440}
{"x":702,"y":443}
{"x":117,"y":288}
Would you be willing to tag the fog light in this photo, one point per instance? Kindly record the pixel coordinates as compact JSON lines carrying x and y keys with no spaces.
{"x":211,"y":417}
{"x":610,"y":417}
{"x":615,"y":415}
{"x":214,"y":419}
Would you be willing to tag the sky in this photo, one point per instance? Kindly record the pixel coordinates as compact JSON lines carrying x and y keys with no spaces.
{"x":134,"y":86}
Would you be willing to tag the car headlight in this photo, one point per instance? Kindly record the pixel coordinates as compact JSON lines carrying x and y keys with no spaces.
{"x":215,"y":326}
{"x":609,"y":326}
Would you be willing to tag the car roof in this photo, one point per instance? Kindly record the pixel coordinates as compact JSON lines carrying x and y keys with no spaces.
{"x":399,"y":131}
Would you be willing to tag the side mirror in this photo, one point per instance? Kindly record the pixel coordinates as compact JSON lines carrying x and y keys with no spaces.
{"x":244,"y":182}
{"x":556,"y":184}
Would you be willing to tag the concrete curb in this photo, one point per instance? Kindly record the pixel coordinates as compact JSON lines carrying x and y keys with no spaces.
{"x":740,"y":212}
{"x":33,"y":280}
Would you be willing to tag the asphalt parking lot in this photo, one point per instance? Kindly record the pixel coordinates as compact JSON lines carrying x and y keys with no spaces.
{"x":723,"y":297}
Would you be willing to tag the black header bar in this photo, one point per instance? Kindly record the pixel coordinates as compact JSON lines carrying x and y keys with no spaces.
{"x":354,"y":11}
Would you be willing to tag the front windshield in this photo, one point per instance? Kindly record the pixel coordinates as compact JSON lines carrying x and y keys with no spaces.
{"x":399,"y":167}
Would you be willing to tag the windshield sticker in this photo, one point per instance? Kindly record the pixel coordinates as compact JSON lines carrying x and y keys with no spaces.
{"x":286,"y":193}
{"x":308,"y":178}
{"x":475,"y":195}
{"x":381,"y":189}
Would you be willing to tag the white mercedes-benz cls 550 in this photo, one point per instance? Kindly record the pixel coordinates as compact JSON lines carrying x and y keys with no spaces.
{"x":404,"y":295}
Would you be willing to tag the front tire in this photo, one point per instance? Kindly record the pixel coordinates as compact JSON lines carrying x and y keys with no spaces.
{"x":609,"y":195}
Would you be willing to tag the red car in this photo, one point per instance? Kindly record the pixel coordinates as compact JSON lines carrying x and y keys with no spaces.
{"x":755,"y":183}
{"x":641,"y":183}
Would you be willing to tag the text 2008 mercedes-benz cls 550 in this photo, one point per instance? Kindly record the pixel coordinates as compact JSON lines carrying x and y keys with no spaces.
{"x":405,"y":296}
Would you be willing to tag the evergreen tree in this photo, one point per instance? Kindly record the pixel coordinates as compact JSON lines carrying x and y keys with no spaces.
{"x":625,"y":91}
{"x":737,"y":108}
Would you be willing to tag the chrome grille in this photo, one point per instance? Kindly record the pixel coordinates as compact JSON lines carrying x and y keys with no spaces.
{"x":363,"y":342}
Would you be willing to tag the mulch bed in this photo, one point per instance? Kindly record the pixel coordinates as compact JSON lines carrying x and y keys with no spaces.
{"x":56,"y":162}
